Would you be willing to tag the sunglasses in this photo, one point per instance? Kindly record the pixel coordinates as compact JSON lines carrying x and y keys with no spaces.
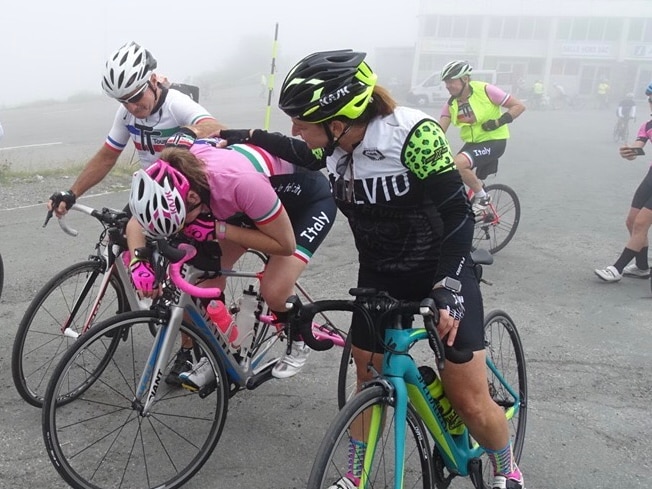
{"x":649,"y":99}
{"x":136,"y":97}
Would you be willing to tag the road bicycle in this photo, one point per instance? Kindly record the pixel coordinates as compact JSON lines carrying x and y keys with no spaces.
{"x":88,"y":292}
{"x":108,"y":418}
{"x":401,"y":419}
{"x":621,"y":130}
{"x":496,"y":225}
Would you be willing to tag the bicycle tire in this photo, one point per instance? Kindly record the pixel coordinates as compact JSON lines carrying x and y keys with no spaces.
{"x":496,"y":225}
{"x":331,"y":461}
{"x":503,"y":345}
{"x":39,"y":342}
{"x":101,"y":439}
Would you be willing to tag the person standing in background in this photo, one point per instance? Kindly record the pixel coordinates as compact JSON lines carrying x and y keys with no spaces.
{"x":639,"y":218}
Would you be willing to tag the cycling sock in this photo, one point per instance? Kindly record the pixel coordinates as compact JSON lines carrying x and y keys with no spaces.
{"x":480,"y":194}
{"x":502,"y":460}
{"x":625,"y":257}
{"x":357,"y":451}
{"x":641,"y":259}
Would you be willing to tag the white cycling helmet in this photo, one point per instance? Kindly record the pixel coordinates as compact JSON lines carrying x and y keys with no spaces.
{"x":157,"y":199}
{"x":455,"y":69}
{"x":128,"y":69}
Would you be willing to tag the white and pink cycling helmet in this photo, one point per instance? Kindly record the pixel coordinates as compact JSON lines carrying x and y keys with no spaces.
{"x":157,"y":199}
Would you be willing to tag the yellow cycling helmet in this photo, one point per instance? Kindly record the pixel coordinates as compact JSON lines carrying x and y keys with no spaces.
{"x":328,"y":84}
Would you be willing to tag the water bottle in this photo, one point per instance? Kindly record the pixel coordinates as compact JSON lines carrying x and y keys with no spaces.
{"x":246,"y":318}
{"x":454,"y":423}
{"x":223,"y":320}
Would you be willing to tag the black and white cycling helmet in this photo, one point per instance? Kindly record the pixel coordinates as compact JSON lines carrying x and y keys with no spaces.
{"x":157,"y":199}
{"x":128,"y":69}
{"x":455,"y":69}
{"x":328,"y":84}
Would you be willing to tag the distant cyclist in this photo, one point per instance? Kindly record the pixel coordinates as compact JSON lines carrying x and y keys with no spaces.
{"x":475,"y":107}
{"x":625,"y":112}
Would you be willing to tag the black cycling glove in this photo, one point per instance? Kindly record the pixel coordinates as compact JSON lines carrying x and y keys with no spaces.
{"x":449,"y":300}
{"x":235,"y":136}
{"x":68,"y":197}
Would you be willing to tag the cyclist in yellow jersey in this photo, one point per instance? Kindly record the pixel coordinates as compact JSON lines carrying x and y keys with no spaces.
{"x":475,"y":107}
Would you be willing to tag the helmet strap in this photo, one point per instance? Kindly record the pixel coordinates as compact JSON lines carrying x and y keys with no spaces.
{"x":333,"y":142}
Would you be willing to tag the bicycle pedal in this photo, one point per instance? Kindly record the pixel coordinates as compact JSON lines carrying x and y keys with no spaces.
{"x":207,"y":390}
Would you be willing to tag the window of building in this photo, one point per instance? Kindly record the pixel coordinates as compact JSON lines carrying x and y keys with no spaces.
{"x":647,"y":32}
{"x":636,"y":27}
{"x":541,"y":28}
{"x":495,"y":27}
{"x":459,"y":28}
{"x":564,"y":28}
{"x":526,"y":27}
{"x":596,"y":29}
{"x":580,"y":29}
{"x":445,"y":26}
{"x":612,"y":29}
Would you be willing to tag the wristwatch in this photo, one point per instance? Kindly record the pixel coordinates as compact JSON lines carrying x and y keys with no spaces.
{"x":449,"y":283}
{"x":143,"y":253}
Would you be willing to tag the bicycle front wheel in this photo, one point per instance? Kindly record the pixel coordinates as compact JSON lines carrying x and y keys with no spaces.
{"x":41,"y":340}
{"x":497,"y":224}
{"x":369,"y":417}
{"x":504,"y":348}
{"x":103,"y":439}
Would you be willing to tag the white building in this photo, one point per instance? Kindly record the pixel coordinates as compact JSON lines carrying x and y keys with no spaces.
{"x":574,"y":43}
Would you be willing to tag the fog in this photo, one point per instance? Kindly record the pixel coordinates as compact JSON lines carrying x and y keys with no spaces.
{"x":57,"y":49}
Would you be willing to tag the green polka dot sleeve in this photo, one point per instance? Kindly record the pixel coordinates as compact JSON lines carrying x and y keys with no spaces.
{"x":426,"y":150}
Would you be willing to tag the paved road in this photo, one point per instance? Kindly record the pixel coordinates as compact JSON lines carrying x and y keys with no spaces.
{"x":587,"y":342}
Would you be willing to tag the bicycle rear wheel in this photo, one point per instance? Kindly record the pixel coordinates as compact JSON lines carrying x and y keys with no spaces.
{"x":497,"y":224}
{"x":102,"y":439}
{"x":503,"y":346}
{"x":332,"y":460}
{"x":40,"y":342}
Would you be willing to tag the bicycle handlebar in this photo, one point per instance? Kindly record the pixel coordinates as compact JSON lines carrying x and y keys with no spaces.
{"x":105,"y":215}
{"x":367,"y":300}
{"x":178,"y":256}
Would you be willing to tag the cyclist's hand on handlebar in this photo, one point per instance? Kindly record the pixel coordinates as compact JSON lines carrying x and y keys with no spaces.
{"x":144,"y":278}
{"x":491,"y":125}
{"x":451,"y":311}
{"x":61,"y":202}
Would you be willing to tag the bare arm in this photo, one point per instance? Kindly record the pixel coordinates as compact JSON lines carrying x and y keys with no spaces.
{"x":275,"y":238}
{"x":206,"y":128}
{"x":95,"y":170}
{"x":444,"y":122}
{"x":514,"y":107}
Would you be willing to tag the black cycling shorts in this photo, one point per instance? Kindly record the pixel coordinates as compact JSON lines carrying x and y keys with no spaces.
{"x":307,"y":199}
{"x":415,"y":287}
{"x":643,"y":195}
{"x":484,"y":156}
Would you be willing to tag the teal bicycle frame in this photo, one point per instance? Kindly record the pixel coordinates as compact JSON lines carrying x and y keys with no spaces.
{"x":407,"y":385}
